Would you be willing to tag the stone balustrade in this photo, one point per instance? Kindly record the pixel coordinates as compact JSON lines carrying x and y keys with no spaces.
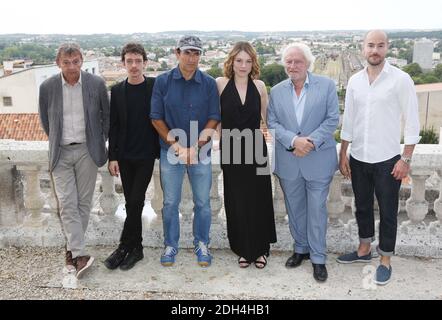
{"x":29,"y":213}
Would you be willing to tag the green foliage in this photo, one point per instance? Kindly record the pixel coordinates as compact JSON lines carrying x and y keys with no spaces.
{"x":264,"y":49}
{"x":422,"y":78}
{"x":38,"y":53}
{"x":272,"y":74}
{"x":429,"y":136}
{"x":413,"y":69}
{"x":338,"y":135}
{"x":215,"y":72}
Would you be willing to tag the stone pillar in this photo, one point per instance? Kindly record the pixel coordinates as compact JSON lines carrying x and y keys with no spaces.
{"x":186,"y":205}
{"x":278,"y":201}
{"x":109,"y":199}
{"x":51,"y":197}
{"x":216,"y":202}
{"x":8,"y":210}
{"x":157,"y":201}
{"x":440,"y":137}
{"x":417,"y":206}
{"x":33,"y":198}
{"x":335,"y":204}
{"x":438,"y":206}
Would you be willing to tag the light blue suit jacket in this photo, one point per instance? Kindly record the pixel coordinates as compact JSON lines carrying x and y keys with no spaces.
{"x":319,"y":122}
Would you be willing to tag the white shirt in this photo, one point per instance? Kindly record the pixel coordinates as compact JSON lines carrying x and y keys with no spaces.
{"x":372,"y":115}
{"x":299,"y":103}
{"x":74,"y":129}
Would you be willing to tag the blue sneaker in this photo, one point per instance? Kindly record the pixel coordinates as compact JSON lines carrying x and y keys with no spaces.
{"x":353,"y":257}
{"x":383,"y":275}
{"x":168,"y":256}
{"x":203,"y":254}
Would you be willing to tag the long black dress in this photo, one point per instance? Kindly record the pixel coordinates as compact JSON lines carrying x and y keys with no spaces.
{"x":247,"y":196}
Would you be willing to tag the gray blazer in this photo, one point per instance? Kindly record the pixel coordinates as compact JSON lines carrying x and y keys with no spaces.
{"x":320,"y":119}
{"x":96,"y":116}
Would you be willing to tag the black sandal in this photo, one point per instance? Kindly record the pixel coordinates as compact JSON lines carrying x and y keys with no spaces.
{"x":243,"y":263}
{"x":261,"y":264}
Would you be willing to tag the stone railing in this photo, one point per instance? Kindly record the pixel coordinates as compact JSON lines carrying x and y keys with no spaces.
{"x":29,"y":213}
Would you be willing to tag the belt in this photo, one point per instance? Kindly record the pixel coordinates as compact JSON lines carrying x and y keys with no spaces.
{"x":74,"y":143}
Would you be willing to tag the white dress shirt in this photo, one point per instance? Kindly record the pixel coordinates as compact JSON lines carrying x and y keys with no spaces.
{"x":373,"y":113}
{"x":74,"y":128}
{"x":299,"y":103}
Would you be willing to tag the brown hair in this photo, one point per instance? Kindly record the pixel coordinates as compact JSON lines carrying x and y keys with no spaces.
{"x":68,"y":48}
{"x":133,"y":47}
{"x":237,"y":48}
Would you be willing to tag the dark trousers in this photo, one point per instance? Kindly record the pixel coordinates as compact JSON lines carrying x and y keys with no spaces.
{"x":376,"y":178}
{"x":135,"y":177}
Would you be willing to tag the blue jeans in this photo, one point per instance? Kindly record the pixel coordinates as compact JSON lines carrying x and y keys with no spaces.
{"x":200,"y":178}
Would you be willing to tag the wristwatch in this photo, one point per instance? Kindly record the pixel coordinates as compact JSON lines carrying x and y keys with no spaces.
{"x":407,"y":160}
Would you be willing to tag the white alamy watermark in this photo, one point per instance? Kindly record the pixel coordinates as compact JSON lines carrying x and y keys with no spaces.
{"x":246,"y":146}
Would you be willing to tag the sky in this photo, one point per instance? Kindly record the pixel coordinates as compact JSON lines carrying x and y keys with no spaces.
{"x":137,"y":16}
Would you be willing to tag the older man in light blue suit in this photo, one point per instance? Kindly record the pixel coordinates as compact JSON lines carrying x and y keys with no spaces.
{"x":303,"y":112}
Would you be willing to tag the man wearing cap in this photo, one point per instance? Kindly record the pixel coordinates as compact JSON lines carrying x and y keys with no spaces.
{"x":185,"y":111}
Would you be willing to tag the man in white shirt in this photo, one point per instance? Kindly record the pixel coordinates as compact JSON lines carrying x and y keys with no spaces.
{"x":376,"y":100}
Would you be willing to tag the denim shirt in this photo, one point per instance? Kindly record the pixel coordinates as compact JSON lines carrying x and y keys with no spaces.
{"x":178,"y":102}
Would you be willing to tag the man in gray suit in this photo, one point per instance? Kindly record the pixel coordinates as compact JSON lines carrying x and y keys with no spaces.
{"x":303,"y":111}
{"x":74,"y":112}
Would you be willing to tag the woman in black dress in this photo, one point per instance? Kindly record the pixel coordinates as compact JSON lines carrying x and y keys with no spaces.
{"x":247,"y":185}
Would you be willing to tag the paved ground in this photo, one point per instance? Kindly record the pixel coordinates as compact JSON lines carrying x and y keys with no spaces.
{"x":36,"y":273}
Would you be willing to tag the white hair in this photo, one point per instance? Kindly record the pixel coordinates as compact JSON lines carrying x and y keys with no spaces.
{"x":305,"y":51}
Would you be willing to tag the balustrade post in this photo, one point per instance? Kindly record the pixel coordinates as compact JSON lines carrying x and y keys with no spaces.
{"x":33,"y":197}
{"x":278,"y":201}
{"x":438,"y":206}
{"x":417,"y":206}
{"x":8,"y":210}
{"x":335,"y":204}
{"x":216,"y":203}
{"x":109,"y":199}
{"x":157,"y":201}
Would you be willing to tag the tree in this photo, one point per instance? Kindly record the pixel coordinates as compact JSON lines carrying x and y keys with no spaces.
{"x":413,"y":69}
{"x":438,"y":71}
{"x":430,"y":78}
{"x":272,"y":74}
{"x":215,"y":72}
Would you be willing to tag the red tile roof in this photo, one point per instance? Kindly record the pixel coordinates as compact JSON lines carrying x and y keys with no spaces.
{"x":21,"y":127}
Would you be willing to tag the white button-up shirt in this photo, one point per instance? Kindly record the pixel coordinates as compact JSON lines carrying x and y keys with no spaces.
{"x":74,"y":129}
{"x":373,"y":113}
{"x":299,"y":103}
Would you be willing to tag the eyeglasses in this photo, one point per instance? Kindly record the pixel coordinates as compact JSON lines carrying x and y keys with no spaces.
{"x":75,"y":62}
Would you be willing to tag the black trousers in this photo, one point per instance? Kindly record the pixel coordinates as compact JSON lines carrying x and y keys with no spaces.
{"x":135,"y":177}
{"x":376,"y":178}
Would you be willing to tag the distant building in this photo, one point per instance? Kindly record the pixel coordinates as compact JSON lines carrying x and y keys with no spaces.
{"x":423,"y":54}
{"x":430,"y":105}
{"x":397,"y":62}
{"x":19,"y":90}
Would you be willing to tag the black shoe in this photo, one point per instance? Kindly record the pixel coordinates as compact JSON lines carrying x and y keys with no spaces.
{"x":320,"y":272}
{"x":296,"y":259}
{"x":132,"y":258}
{"x":116,"y":257}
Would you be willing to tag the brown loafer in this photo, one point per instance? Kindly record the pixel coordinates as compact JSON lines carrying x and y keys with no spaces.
{"x":83,"y":263}
{"x":70,"y":264}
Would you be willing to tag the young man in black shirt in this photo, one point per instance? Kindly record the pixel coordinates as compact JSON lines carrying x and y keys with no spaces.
{"x":133,"y":148}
